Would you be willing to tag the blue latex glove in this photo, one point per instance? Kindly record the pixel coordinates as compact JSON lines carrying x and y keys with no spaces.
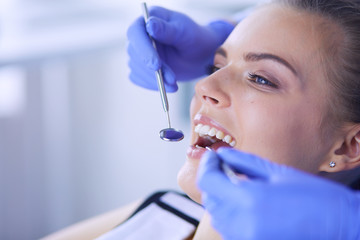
{"x":277,"y":202}
{"x":185,"y":49}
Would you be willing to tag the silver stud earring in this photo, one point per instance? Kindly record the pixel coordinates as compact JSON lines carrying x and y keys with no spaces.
{"x":332,"y":164}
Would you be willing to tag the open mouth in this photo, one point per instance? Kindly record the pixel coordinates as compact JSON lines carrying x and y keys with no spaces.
{"x":211,"y":137}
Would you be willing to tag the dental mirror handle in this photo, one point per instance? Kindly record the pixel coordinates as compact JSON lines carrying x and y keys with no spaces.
{"x":158,"y":73}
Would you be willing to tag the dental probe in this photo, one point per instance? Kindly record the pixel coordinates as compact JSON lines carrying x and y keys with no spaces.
{"x":229,"y":172}
{"x":167,"y":134}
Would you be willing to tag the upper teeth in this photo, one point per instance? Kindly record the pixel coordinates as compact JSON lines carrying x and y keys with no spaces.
{"x":204,"y":130}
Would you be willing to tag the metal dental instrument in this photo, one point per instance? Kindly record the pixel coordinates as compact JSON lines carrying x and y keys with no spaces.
{"x":168,"y":134}
{"x":229,"y":172}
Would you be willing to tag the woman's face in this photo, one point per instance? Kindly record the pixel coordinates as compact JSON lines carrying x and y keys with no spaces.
{"x":267,"y":95}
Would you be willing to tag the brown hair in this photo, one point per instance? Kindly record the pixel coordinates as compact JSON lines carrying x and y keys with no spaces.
{"x":341,"y":53}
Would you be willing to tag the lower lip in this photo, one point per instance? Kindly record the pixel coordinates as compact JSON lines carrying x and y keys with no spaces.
{"x":195,"y":152}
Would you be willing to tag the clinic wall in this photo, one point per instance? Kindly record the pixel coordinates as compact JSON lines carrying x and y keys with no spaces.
{"x":82,"y":139}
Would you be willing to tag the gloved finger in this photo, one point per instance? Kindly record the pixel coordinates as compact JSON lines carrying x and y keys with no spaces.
{"x":139,"y":68}
{"x":161,"y":12}
{"x":164,"y":31}
{"x":146,"y":79}
{"x":141,"y":43}
{"x":169,"y":79}
{"x":212,"y":180}
{"x":136,"y":78}
{"x":222,"y":26}
{"x":248,"y":164}
{"x":171,"y":27}
{"x":140,"y":74}
{"x":138,"y":63}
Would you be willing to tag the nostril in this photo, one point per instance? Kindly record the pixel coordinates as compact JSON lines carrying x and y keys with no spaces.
{"x":211,"y":100}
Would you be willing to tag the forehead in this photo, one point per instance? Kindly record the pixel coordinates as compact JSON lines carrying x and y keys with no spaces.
{"x":282,"y":31}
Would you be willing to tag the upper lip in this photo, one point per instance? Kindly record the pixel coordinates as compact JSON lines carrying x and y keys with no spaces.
{"x":201,"y":119}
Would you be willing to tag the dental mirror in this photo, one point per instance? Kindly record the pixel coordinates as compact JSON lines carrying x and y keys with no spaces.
{"x":171,"y":135}
{"x":168,"y":134}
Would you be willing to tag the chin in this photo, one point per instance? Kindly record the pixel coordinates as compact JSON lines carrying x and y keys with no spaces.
{"x":187,"y":180}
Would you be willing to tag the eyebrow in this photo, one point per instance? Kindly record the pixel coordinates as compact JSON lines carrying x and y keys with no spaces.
{"x":254,"y":57}
{"x":221,"y":51}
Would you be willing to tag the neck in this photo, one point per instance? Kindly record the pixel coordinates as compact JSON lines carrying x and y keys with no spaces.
{"x":205,"y":231}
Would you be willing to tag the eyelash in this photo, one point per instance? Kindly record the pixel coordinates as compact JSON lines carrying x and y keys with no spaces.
{"x":257,"y":79}
{"x":251,"y":76}
{"x":212,"y":69}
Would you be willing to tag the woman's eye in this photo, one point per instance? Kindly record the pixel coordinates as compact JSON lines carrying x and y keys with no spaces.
{"x":260,"y":80}
{"x":213,"y":69}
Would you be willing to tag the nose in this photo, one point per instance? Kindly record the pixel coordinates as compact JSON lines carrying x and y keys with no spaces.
{"x":212,"y":91}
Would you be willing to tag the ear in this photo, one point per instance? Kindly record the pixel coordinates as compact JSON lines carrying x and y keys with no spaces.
{"x":346,"y":155}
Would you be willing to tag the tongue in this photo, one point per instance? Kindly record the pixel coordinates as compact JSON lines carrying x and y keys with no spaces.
{"x":218,"y":145}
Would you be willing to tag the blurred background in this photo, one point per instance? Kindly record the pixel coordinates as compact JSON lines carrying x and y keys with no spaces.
{"x":76,"y":137}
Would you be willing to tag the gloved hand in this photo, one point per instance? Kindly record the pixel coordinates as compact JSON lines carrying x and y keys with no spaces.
{"x":185,"y":49}
{"x":276,"y":202}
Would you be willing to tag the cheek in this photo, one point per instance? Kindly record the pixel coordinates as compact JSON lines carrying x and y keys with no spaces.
{"x":282,"y":134}
{"x":194,"y":106}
